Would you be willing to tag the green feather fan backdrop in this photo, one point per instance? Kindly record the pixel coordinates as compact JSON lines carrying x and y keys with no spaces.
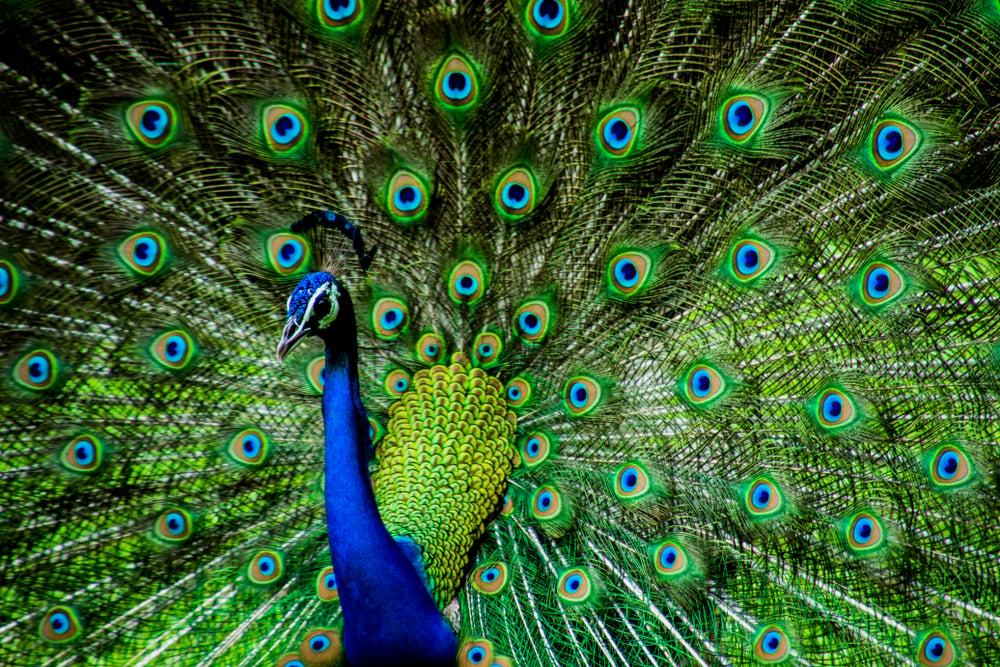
{"x":734,"y":267}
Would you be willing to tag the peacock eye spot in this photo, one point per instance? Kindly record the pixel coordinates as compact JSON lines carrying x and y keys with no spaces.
{"x":408,"y":196}
{"x":772,"y":640}
{"x":513,"y":393}
{"x":669,"y":557}
{"x":319,"y":644}
{"x":761,"y":496}
{"x":431,"y":350}
{"x":617,"y":133}
{"x":476,"y":655}
{"x":545,"y":500}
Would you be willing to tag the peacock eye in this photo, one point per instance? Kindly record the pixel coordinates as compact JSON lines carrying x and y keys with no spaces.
{"x":488,"y":347}
{"x":548,"y":18}
{"x":750,"y":259}
{"x":375,"y":430}
{"x":535,"y":449}
{"x":286,"y":253}
{"x":430,"y":348}
{"x":248,"y":447}
{"x":292,"y":660}
{"x":518,"y":392}
{"x":575,"y":586}
{"x":389,"y":317}
{"x":631,"y":482}
{"x":285,"y":128}
{"x":531,"y":321}
{"x":266,"y":567}
{"x":616,"y":132}
{"x":456,"y":83}
{"x":315,"y":378}
{"x":466,"y":284}
{"x":37,"y":370}
{"x":83,"y":454}
{"x":936,"y":650}
{"x":59,"y":625}
{"x":763,"y":499}
{"x":628,"y":271}
{"x":143,"y":253}
{"x":490,"y":579}
{"x":702,"y":385}
{"x":475,"y":653}
{"x":949,"y":467}
{"x":546,"y":503}
{"x":173,"y":526}
{"x":515,"y":193}
{"x":321,"y":646}
{"x":835,"y":410}
{"x":339,"y":13}
{"x":406,"y":197}
{"x":771,"y":644}
{"x":396,"y":383}
{"x":881,"y":284}
{"x":864,"y":533}
{"x":173,"y":350}
{"x":670,"y":559}
{"x":9,"y":279}
{"x":153,"y":123}
{"x":742,"y":117}
{"x":581,"y":395}
{"x":892,"y":143}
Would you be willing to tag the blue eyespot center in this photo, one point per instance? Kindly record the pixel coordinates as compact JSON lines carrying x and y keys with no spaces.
{"x":84,"y":452}
{"x":668,"y":557}
{"x":761,"y":496}
{"x":833,"y":407}
{"x":407,"y":198}
{"x":573,"y":583}
{"x":59,"y":622}
{"x":467,"y":285}
{"x":330,"y":581}
{"x":458,"y":85}
{"x":154,"y":122}
{"x":319,"y":644}
{"x":578,"y":395}
{"x":878,"y":283}
{"x":934,"y":648}
{"x":701,"y":383}
{"x":515,"y":195}
{"x":626,"y":273}
{"x":947,"y":466}
{"x":630,"y":479}
{"x":771,"y":642}
{"x":491,"y":575}
{"x":530,"y":323}
{"x":545,"y":500}
{"x":251,"y":445}
{"x":534,"y":446}
{"x":266,"y":565}
{"x":391,"y":318}
{"x":144,"y":252}
{"x":175,"y":523}
{"x":338,"y":10}
{"x":548,"y":13}
{"x":290,"y":253}
{"x":513,"y":393}
{"x":617,"y":133}
{"x":740,"y":118}
{"x":286,"y":128}
{"x":176,"y":348}
{"x":890,"y":143}
{"x":401,"y":384}
{"x":431,"y":350}
{"x":38,"y":368}
{"x":863,"y":531}
{"x":747,"y":260}
{"x":476,"y":655}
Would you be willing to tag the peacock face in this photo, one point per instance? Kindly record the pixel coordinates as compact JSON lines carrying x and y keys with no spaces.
{"x":312,"y":307}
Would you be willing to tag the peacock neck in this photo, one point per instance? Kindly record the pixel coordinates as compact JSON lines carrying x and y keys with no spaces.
{"x":389,"y":616}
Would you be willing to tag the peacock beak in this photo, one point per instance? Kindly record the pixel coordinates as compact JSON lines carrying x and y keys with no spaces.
{"x":290,"y":337}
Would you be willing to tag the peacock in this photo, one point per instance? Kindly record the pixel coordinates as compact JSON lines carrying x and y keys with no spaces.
{"x":523,"y":332}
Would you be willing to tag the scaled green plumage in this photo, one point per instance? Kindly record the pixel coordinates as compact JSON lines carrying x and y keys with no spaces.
{"x":734,"y":266}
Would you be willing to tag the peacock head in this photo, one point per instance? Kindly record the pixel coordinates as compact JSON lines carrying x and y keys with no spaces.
{"x":313,"y":308}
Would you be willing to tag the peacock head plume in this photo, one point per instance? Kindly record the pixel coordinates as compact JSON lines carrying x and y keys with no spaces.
{"x":319,"y":299}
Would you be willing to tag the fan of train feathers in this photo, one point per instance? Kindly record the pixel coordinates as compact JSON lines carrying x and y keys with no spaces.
{"x":734,"y":265}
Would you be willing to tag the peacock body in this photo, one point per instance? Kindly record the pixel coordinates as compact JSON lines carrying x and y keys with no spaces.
{"x":680,"y":346}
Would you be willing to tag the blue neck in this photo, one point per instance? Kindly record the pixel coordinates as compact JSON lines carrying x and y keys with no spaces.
{"x":389,"y":616}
